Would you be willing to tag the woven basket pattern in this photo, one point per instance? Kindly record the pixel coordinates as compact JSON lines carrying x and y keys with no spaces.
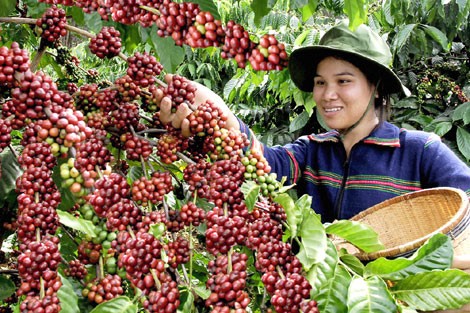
{"x":405,"y":222}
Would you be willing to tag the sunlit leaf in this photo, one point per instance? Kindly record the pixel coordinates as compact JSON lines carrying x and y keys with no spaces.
{"x":116,"y":305}
{"x":435,"y":290}
{"x":82,"y":225}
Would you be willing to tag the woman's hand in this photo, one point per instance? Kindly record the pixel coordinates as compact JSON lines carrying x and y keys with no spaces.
{"x":461,"y":262}
{"x":179,"y":119}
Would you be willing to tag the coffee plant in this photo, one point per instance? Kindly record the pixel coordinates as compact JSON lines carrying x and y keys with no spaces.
{"x":109,"y":210}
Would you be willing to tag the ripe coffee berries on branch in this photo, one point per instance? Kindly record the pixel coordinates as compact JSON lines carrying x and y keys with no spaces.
{"x":52,"y":24}
{"x":237,"y":44}
{"x":269,"y":55}
{"x":107,"y":43}
{"x":142,"y":68}
{"x":206,"y":31}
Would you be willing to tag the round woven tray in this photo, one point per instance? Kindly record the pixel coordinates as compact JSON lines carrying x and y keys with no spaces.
{"x":405,"y":222}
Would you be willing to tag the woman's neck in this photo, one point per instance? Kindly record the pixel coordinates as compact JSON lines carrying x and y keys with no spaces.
{"x":358,"y":133}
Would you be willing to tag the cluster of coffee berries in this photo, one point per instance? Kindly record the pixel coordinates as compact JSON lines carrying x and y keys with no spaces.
{"x":142,"y":68}
{"x":206,"y":31}
{"x":151,"y":190}
{"x":103,"y":289}
{"x":269,"y":55}
{"x":12,"y":61}
{"x":237,"y":44}
{"x":52,"y":24}
{"x":107,"y":43}
{"x":71,"y":177}
{"x":5,"y":133}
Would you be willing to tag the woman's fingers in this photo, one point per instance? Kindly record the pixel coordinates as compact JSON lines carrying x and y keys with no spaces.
{"x":166,"y":116}
{"x":181,"y":113}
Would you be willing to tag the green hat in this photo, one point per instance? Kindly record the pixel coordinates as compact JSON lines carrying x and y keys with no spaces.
{"x":362,"y":44}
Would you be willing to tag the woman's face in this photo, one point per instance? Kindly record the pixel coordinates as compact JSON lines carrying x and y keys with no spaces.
{"x":342,"y":94}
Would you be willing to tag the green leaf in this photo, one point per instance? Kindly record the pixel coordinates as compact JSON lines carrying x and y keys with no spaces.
{"x":171,"y":55}
{"x":299,"y":122}
{"x":437,"y":36}
{"x":313,"y":241}
{"x":68,"y":298}
{"x":435,"y":254}
{"x":407,"y":103}
{"x":462,"y":112}
{"x":94,"y":22}
{"x":442,"y":128}
{"x":333,"y":296}
{"x":352,"y":263}
{"x":463,"y":142}
{"x":116,"y":305}
{"x":76,"y":223}
{"x":309,"y":9}
{"x":402,"y":36}
{"x":322,"y":272}
{"x":293,"y":213}
{"x":359,"y":234}
{"x":187,"y":301}
{"x":157,"y":230}
{"x":250,"y":190}
{"x":208,"y":5}
{"x":7,"y":287}
{"x":134,"y":173}
{"x":369,"y":295}
{"x":202,"y":292}
{"x":10,"y":170}
{"x":77,"y":15}
{"x":356,"y":10}
{"x":436,"y":290}
{"x":7,"y":7}
{"x":260,"y":8}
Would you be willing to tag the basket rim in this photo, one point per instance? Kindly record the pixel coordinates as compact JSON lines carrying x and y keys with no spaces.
{"x":402,"y":249}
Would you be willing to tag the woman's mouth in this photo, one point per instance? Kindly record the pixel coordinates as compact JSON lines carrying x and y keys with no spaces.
{"x":328,"y":110}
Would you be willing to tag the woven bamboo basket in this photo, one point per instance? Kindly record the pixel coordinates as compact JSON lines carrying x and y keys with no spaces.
{"x":405,"y":222}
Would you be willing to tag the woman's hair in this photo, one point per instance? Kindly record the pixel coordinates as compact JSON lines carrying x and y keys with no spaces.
{"x":373,"y":74}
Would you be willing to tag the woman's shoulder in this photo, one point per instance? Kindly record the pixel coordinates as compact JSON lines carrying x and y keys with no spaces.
{"x":419,"y":137}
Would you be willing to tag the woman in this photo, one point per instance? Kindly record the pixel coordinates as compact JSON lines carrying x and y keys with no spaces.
{"x":363,"y":160}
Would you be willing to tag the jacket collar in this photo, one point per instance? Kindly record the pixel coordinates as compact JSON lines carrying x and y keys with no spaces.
{"x":385,"y":134}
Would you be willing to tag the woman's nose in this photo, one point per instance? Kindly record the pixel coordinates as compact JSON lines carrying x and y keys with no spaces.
{"x":329,"y":92}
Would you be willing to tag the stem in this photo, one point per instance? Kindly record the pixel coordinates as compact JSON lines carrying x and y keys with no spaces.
{"x":158,"y":81}
{"x":101,"y":268}
{"x":144,"y":169}
{"x":185,"y":158}
{"x":165,"y":208}
{"x":148,"y":119}
{"x":191,"y":246}
{"x":13,"y":151}
{"x":152,"y":130}
{"x":229,"y":260}
{"x":9,"y":272}
{"x":158,"y":284}
{"x":279,"y":271}
{"x":98,"y":170}
{"x":42,"y":291}
{"x":151,"y":166}
{"x":131,"y":232}
{"x":38,"y":56}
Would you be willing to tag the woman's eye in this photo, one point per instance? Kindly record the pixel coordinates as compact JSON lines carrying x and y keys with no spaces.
{"x":318,"y":83}
{"x":344,"y":81}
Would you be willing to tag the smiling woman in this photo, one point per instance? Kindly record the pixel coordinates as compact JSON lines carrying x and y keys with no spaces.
{"x":363,"y":159}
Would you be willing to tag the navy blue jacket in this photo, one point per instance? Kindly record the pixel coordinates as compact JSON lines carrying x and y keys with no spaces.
{"x":388,"y":163}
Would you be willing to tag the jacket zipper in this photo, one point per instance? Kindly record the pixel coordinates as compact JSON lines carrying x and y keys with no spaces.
{"x":339,"y":199}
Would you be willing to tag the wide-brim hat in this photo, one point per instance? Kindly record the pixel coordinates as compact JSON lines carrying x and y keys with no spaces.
{"x":361,"y":44}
